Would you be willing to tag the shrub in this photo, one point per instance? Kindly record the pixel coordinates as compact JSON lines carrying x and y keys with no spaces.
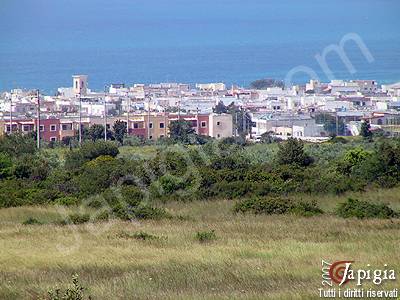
{"x":292,"y":153}
{"x":205,"y":236}
{"x":17,"y":144}
{"x":170,"y":184}
{"x":73,"y":292}
{"x":67,"y":201}
{"x":89,"y":151}
{"x":143,"y":236}
{"x":79,"y":218}
{"x":306,"y":209}
{"x":278,"y":206}
{"x":102,"y":216}
{"x":351,"y":159}
{"x":132,"y":195}
{"x":363,"y":209}
{"x":146,"y":212}
{"x":232,"y":190}
{"x":31,"y":167}
{"x":338,"y":140}
{"x":31,"y":221}
{"x":5,"y":165}
{"x":258,"y":205}
{"x":132,"y":141}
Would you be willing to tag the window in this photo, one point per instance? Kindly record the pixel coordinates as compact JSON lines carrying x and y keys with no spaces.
{"x":135,"y":125}
{"x":150,"y":137}
{"x":41,"y":128}
{"x":218,"y":123}
{"x":203,"y":124}
{"x":162,"y":125}
{"x":53,"y":127}
{"x":26,"y":128}
{"x":66,"y":127}
{"x":53,"y":139}
{"x":161,"y":135}
{"x":150,"y":125}
{"x":218,"y":135}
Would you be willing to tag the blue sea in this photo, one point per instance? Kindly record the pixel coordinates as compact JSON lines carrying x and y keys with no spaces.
{"x":44,"y":42}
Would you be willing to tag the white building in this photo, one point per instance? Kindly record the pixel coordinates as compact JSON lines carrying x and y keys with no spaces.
{"x":211,"y":86}
{"x":220,"y":126}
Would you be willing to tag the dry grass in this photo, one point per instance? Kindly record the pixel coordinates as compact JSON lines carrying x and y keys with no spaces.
{"x":253,"y":257}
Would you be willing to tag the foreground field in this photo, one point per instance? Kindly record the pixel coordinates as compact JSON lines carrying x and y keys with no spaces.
{"x":252,"y":257}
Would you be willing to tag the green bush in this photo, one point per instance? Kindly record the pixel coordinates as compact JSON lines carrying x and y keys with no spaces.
{"x":73,"y":292}
{"x":275,"y":205}
{"x":79,"y":218}
{"x":90,"y":150}
{"x":146,"y":212}
{"x":31,"y":221}
{"x":292,"y":152}
{"x":205,"y":236}
{"x":17,"y":144}
{"x":67,"y":201}
{"x":143,"y":236}
{"x":102,"y":216}
{"x":306,"y":209}
{"x":363,"y":209}
{"x":5,"y":166}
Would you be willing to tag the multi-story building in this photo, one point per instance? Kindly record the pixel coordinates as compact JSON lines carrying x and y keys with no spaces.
{"x":220,"y":126}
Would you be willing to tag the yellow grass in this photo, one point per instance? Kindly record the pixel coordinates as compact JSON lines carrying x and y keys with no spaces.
{"x":253,"y":257}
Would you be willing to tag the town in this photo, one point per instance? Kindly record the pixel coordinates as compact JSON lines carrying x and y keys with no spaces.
{"x":312,"y":112}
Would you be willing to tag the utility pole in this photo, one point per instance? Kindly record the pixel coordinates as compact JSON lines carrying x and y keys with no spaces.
{"x":337,"y":124}
{"x":11,"y":116}
{"x":128,"y":115}
{"x":197,"y":119}
{"x":38,"y":120}
{"x":244,"y":122}
{"x":105,"y":113}
{"x":165,"y":122}
{"x":179,"y":107}
{"x":80,"y":116}
{"x":236,"y":123}
{"x":148,"y":119}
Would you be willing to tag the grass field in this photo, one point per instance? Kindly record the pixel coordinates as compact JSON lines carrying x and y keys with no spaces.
{"x":252,"y":257}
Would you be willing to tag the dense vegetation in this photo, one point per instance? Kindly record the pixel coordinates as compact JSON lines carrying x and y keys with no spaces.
{"x":127,"y":187}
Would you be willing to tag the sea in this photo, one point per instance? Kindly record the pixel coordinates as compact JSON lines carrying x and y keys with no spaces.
{"x":44,"y":42}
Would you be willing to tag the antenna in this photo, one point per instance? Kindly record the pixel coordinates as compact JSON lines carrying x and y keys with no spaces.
{"x":38,"y":120}
{"x":105,"y":113}
{"x":80,"y":116}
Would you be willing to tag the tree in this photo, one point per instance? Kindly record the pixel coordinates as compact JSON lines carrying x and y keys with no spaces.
{"x":262,"y":84}
{"x":220,"y":108}
{"x":353,"y":158}
{"x":330,"y":124}
{"x":96,"y":132}
{"x":17,"y":144}
{"x":292,"y":153}
{"x":5,"y":165}
{"x":120,"y":131}
{"x":365,"y":130}
{"x":182,"y":131}
{"x":269,"y":138}
{"x":89,"y":151}
{"x":241,"y":119}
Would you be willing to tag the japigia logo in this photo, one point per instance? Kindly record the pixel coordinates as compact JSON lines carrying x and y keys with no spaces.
{"x":341,"y":272}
